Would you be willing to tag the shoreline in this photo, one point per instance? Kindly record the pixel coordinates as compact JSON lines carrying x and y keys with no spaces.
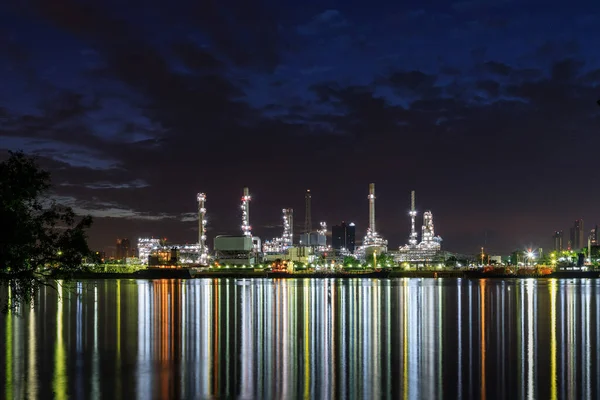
{"x":184,"y":273}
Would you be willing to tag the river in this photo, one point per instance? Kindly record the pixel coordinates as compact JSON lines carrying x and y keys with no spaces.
{"x":306,"y":338}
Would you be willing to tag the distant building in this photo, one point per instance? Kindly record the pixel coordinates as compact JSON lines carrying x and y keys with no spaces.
{"x":313,"y":239}
{"x":594,"y":236}
{"x":558,"y":240}
{"x":578,"y":240}
{"x":343,"y":236}
{"x":123,"y":249}
{"x":145,"y":247}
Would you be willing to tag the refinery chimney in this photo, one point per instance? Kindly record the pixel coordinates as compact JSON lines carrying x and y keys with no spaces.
{"x":372,"y":207}
{"x":307,"y":213}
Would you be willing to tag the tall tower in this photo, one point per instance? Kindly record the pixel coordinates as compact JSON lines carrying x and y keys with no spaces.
{"x":288,"y":228}
{"x":412,"y":240}
{"x":307,"y":213}
{"x":372,"y":207}
{"x":201,"y":197}
{"x":246,"y":228}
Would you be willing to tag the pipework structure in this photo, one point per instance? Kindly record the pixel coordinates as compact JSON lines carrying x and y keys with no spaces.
{"x":412,"y":240}
{"x":428,"y":233}
{"x":202,"y":249}
{"x":246,"y":228}
{"x":288,"y":228}
{"x":322,"y":237}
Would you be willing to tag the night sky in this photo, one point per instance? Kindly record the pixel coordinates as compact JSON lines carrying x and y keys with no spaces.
{"x":486,"y":108}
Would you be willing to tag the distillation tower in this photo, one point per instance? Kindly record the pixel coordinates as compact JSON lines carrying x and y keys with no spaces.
{"x":287,"y":238}
{"x":246,"y":228}
{"x":202,"y":249}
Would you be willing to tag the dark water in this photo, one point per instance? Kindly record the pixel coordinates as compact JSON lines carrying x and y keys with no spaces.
{"x":405,"y":338}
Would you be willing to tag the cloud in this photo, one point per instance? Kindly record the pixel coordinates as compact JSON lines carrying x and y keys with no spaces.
{"x":135,"y":184}
{"x":239,"y":94}
{"x":102,"y":209}
{"x":73,"y":155}
{"x":477,"y":5}
{"x":497,"y":68}
{"x":327,"y":21}
{"x":492,"y":88}
{"x":412,"y":83}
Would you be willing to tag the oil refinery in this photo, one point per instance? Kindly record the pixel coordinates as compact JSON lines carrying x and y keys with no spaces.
{"x":429,"y":249}
{"x":307,"y":247}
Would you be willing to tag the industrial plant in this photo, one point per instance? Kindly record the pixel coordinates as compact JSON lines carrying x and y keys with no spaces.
{"x":429,"y":249}
{"x":311,"y":247}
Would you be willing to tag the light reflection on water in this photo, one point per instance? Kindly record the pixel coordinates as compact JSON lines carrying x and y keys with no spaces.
{"x":401,"y":339}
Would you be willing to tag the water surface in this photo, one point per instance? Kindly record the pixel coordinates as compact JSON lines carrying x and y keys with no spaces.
{"x":354,"y":338}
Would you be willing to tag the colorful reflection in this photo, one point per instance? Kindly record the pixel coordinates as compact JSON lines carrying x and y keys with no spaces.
{"x":223,"y":338}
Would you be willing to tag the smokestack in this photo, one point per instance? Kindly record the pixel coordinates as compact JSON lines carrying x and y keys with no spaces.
{"x":307,"y":213}
{"x":372,"y":207}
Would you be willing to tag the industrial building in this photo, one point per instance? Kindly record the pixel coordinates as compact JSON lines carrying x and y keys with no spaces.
{"x":123,"y":249}
{"x":145,"y":247}
{"x":577,"y":235}
{"x":239,"y":250}
{"x":235,"y":250}
{"x":557,"y":239}
{"x":343,"y":237}
{"x":246,"y":249}
{"x":280,"y":245}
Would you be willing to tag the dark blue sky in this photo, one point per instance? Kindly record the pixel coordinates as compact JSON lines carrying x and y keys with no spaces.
{"x":486,"y":108}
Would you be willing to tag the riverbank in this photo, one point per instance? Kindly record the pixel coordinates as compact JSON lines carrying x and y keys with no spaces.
{"x":186,"y":273}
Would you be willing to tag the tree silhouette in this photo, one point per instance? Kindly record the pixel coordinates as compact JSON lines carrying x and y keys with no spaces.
{"x":38,"y":236}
